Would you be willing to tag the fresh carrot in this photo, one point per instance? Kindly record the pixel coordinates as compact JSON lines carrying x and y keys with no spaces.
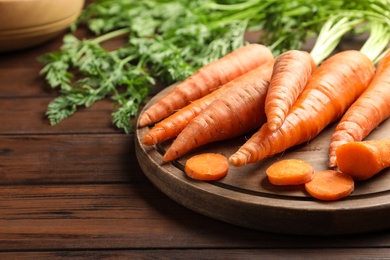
{"x":207,"y":166}
{"x":293,"y":68}
{"x":171,"y":126}
{"x":363,"y":159}
{"x":238,"y":111}
{"x":206,"y":80}
{"x":366,"y":113}
{"x":290,"y":172}
{"x":330,"y":185}
{"x":332,"y":88}
{"x":291,"y":73}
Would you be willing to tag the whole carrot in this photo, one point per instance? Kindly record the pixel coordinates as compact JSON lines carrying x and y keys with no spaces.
{"x":171,"y":126}
{"x":292,"y":70}
{"x":206,"y":80}
{"x":238,"y":111}
{"x":363,"y":159}
{"x":332,"y":88}
{"x":366,"y":113}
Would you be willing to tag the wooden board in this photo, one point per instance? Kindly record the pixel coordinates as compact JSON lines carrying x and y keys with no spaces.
{"x":247,"y":199}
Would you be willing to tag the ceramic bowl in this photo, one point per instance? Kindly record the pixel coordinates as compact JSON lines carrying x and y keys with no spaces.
{"x":25,"y":23}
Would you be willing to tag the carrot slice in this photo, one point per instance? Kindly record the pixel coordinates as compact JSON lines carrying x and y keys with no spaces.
{"x":330,"y":185}
{"x":207,"y":166}
{"x":290,"y":172}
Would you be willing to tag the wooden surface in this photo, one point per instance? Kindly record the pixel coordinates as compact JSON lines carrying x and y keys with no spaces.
{"x":246,"y":198}
{"x":76,"y":191}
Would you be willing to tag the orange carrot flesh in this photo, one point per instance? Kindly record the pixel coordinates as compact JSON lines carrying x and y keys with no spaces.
{"x":207,"y":167}
{"x":206,"y":80}
{"x":330,"y":185}
{"x":366,"y":113}
{"x":290,"y":172}
{"x":362,"y":160}
{"x":332,"y":88}
{"x":171,"y":126}
{"x":238,"y":111}
{"x":291,"y":73}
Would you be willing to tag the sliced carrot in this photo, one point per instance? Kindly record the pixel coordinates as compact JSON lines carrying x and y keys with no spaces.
{"x":330,"y":185}
{"x":292,"y":70}
{"x":364,"y":159}
{"x":290,"y":172}
{"x":366,"y":113}
{"x":332,"y":88}
{"x":206,"y":80}
{"x":238,"y":111}
{"x":207,"y":166}
{"x":171,"y":126}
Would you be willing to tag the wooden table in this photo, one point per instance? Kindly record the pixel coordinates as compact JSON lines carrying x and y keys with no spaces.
{"x":75,"y":190}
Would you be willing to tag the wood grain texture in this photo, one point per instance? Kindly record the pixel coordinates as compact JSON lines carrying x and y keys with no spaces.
{"x":76,"y":191}
{"x":216,"y":254}
{"x":246,"y":198}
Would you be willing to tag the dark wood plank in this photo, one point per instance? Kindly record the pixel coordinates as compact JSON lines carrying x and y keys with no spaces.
{"x":27,"y":116}
{"x":216,"y":254}
{"x":131,"y":216}
{"x":81,"y":158}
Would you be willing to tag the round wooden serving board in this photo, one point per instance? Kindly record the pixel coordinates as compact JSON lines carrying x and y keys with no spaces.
{"x":246,"y":198}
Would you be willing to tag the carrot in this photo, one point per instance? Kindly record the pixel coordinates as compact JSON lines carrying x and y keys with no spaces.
{"x":290,"y":172}
{"x":292,"y":70}
{"x":366,"y":113}
{"x":171,"y":126}
{"x":206,"y":80}
{"x":238,"y":111}
{"x":363,"y":159}
{"x":330,"y":91}
{"x":330,"y":185}
{"x":207,"y":166}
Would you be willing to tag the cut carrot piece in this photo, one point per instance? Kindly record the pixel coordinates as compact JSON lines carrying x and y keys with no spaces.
{"x":290,"y":172}
{"x":362,"y":160}
{"x":366,"y":113}
{"x":330,"y":185}
{"x":207,"y":166}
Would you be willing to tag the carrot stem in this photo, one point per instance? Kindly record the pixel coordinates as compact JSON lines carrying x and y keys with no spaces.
{"x":330,"y":35}
{"x":377,"y":41}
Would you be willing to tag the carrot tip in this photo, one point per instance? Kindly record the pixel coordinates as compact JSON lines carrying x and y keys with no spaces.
{"x":238,"y":159}
{"x":273,"y":126}
{"x":148,"y":140}
{"x":144,"y":120}
{"x":332,"y":162}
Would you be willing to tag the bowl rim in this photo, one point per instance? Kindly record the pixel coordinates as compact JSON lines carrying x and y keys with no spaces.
{"x":41,"y":28}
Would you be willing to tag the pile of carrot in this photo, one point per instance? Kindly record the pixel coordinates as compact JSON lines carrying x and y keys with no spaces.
{"x":251,"y":90}
{"x":206,"y":80}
